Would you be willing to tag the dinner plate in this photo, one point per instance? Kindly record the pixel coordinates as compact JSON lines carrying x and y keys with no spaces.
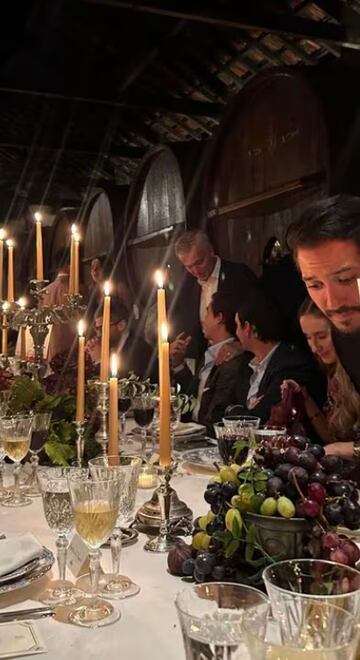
{"x":205,"y":457}
{"x":19,"y":572}
{"x":188,"y":428}
{"x":44,"y":564}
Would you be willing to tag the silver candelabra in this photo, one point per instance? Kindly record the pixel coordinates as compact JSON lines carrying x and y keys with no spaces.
{"x":102,"y":407}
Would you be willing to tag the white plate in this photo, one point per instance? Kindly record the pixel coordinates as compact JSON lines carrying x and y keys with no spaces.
{"x":188,"y":428}
{"x":44,"y":564}
{"x":202,"y":457}
{"x":21,"y":571}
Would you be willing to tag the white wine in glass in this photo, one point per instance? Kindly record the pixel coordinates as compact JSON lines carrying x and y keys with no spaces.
{"x":94,"y":521}
{"x":15,"y":435}
{"x":16,"y":448}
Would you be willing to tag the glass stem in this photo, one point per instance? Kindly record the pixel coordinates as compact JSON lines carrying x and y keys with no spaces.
{"x":143,"y":443}
{"x":94,"y":557}
{"x":17,"y":468}
{"x":61,"y":546}
{"x":34,"y":460}
{"x":122,"y":426}
{"x":116,"y":546}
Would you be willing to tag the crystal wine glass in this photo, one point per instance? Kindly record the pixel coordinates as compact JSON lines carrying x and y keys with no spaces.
{"x":95,"y":505}
{"x":210,"y":617}
{"x":59,"y":516}
{"x":40,"y":435}
{"x":117,"y":585}
{"x":15,"y":434}
{"x":143,"y":409}
{"x":4,"y":404}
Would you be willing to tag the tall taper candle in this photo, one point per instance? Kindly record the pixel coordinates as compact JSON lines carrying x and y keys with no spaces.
{"x":80,"y":390}
{"x":161,"y":310}
{"x":4,"y":332}
{"x":113,"y":444}
{"x":22,"y":330}
{"x":11,"y":295}
{"x":105,"y":337}
{"x":2,"y":237}
{"x":72,"y":259}
{"x":39,"y":247}
{"x":76,"y":262}
{"x":165,"y":450}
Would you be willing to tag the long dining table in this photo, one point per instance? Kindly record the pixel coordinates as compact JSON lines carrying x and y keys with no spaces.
{"x":148,"y":628}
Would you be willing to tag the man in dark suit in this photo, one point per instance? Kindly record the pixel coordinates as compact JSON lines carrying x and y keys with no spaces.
{"x":213,"y":386}
{"x":270,"y":360}
{"x":134,"y":353}
{"x":206,"y":274}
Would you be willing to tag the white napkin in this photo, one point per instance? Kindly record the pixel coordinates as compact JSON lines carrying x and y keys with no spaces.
{"x":17,"y":551}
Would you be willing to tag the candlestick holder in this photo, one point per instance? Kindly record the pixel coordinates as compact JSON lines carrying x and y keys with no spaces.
{"x":149,"y":517}
{"x":166,"y":537}
{"x":102,"y":407}
{"x":80,"y":441}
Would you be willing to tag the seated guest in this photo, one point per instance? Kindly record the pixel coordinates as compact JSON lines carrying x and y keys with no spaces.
{"x":258,"y":330}
{"x":206,"y":274}
{"x":134,"y":353}
{"x":338,"y":423}
{"x":213,"y":386}
{"x":62,"y":335}
{"x":102,"y":269}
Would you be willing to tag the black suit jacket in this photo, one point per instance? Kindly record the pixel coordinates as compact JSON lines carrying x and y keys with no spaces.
{"x":219,"y":392}
{"x":234,"y":278}
{"x":287,"y":362}
{"x":137,"y":356}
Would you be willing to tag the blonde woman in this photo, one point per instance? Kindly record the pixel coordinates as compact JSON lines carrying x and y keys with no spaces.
{"x":338,"y":424}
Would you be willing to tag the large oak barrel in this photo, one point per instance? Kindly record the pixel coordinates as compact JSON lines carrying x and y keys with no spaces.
{"x":269,"y":156}
{"x":155,"y":213}
{"x":58,"y":236}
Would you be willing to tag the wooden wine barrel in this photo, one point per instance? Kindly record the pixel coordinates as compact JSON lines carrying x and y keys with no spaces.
{"x":269,"y":157}
{"x":59,"y":238}
{"x":155,"y":213}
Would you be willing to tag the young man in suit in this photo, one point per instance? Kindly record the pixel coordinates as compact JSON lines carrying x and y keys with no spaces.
{"x":325,"y":242}
{"x":206,"y":273}
{"x":270,"y":360}
{"x":134,"y":353}
{"x":213,"y":386}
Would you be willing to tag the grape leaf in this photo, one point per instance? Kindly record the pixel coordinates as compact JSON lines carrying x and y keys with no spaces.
{"x":231,"y":548}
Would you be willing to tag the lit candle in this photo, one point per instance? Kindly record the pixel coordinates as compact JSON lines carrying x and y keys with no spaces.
{"x":80,"y":391}
{"x":358,"y":283}
{"x":76,"y":262}
{"x":2,"y":237}
{"x":165,"y":452}
{"x":72,"y":259}
{"x":4,"y":333}
{"x":113,"y":444}
{"x":39,"y":247}
{"x":11,"y":295}
{"x":105,"y":336}
{"x":22,"y":330}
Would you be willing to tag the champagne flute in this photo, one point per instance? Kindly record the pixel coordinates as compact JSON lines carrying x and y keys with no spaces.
{"x":117,"y":585}
{"x":54,"y":489}
{"x":143,"y":409}
{"x":39,"y":437}
{"x":15,"y":434}
{"x":95,"y":505}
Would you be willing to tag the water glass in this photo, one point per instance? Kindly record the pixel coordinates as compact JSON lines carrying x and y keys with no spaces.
{"x":240,"y":422}
{"x":40,"y":434}
{"x":310,"y":630}
{"x":210,"y":617}
{"x":15,"y":436}
{"x":117,"y":585}
{"x":95,"y":506}
{"x":143,"y":409}
{"x":54,"y":489}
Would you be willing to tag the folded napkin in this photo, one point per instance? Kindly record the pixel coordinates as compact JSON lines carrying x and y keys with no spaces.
{"x":17,"y":551}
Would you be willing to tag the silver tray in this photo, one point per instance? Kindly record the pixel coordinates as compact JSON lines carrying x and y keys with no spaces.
{"x":205,"y":457}
{"x":43,"y":565}
{"x":19,"y":572}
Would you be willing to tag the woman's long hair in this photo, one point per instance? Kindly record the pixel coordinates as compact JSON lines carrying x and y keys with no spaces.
{"x":345,"y":405}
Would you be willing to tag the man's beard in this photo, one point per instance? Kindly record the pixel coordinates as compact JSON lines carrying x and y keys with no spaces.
{"x":345,"y":325}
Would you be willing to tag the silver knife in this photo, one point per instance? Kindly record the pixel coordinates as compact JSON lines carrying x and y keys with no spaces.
{"x":34,"y":613}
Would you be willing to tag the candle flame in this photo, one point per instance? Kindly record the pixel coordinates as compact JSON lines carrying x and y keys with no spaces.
{"x":81,"y":327}
{"x":2,"y":234}
{"x":107,"y":288}
{"x":114,"y":365}
{"x":164,"y":332}
{"x":6,"y":306}
{"x":73,"y":229}
{"x":159,"y":279}
{"x":37,"y":216}
{"x":22,"y":302}
{"x":10,"y":242}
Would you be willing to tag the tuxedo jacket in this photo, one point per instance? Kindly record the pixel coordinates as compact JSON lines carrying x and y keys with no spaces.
{"x":287,"y":362}
{"x":234,"y":278}
{"x":219,"y":392}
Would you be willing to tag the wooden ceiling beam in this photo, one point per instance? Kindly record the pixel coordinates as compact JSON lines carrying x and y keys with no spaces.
{"x":122,"y":151}
{"x":247,"y":19}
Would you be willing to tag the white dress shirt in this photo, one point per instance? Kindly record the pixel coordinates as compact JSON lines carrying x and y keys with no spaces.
{"x":209,"y":362}
{"x":259,"y":369}
{"x":208,"y":288}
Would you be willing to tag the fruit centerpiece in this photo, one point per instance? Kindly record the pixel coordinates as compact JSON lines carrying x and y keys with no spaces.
{"x":285,"y":502}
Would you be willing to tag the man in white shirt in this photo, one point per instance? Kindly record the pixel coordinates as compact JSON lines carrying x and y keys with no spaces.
{"x":206,"y":274}
{"x":214,"y":386}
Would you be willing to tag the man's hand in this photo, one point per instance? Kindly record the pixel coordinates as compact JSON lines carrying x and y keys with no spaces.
{"x":227,"y":352}
{"x":178,"y":349}
{"x":342,"y":449}
{"x":296,"y":387}
{"x":93,"y":347}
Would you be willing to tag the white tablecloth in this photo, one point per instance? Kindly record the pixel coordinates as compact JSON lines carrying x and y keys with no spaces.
{"x":148,"y":628}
